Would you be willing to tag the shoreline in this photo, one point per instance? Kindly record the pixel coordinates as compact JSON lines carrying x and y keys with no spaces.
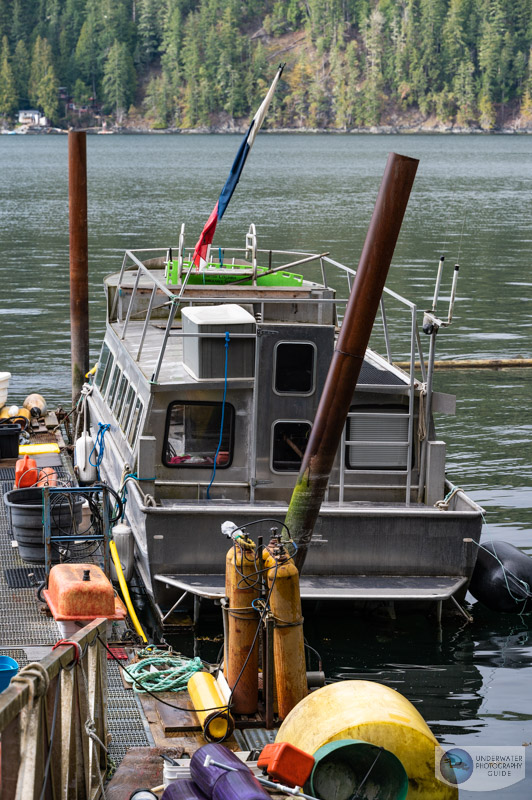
{"x":380,"y":130}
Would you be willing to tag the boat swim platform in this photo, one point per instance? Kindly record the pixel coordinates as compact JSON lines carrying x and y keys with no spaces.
{"x":337,"y":587}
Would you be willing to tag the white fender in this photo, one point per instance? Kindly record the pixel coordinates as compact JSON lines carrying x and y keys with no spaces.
{"x":86,"y":472}
{"x":123,"y":536}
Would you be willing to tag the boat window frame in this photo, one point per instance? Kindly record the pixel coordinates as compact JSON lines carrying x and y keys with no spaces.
{"x":106,"y":381}
{"x":123,"y":419}
{"x":314,"y":367}
{"x":132,"y":432}
{"x":112,"y":386}
{"x":272,"y":441}
{"x":215,"y":403}
{"x":116,"y":405}
{"x":105,"y":370}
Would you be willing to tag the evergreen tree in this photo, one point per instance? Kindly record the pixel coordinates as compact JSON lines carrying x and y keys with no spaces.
{"x":43,"y":84}
{"x":348,"y":60}
{"x":118,"y":83}
{"x":8,"y":94}
{"x":21,"y":72}
{"x":156,"y":101}
{"x":373,"y":75}
{"x":88,"y":56}
{"x":148,"y":31}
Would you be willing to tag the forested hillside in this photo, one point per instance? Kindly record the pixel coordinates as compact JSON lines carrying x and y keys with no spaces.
{"x":205,"y":63}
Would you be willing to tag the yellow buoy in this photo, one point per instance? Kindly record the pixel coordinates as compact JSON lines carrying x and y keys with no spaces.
{"x":373,"y":713}
{"x":210,"y":707}
{"x":4,"y":413}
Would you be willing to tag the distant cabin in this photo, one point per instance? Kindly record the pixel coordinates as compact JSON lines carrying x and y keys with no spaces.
{"x":32,"y":117}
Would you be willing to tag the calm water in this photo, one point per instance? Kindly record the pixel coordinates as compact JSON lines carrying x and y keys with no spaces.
{"x":472,"y":202}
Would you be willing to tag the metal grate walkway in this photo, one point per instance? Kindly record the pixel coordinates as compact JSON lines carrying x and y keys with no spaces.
{"x":24,"y":629}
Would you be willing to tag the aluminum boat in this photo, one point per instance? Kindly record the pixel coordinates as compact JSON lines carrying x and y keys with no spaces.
{"x":209,"y":382}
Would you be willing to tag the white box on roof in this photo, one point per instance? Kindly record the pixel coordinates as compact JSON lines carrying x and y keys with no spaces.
{"x":204,"y":357}
{"x":229,"y":314}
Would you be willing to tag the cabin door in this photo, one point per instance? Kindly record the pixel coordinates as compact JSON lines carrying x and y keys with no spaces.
{"x":293,"y":364}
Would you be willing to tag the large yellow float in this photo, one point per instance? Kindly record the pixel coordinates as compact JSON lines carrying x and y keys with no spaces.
{"x":373,"y":713}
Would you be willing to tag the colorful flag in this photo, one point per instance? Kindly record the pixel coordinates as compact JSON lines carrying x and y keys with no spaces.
{"x":207,"y":234}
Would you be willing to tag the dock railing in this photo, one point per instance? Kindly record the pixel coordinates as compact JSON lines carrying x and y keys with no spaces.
{"x":53,"y":723}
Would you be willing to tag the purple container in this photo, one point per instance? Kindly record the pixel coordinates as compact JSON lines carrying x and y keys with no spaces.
{"x":183,"y":790}
{"x":239,"y":786}
{"x":207,"y":777}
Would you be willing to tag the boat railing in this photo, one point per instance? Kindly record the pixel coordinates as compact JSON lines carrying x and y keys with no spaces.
{"x":53,"y":722}
{"x":175,"y":297}
{"x":332,"y":272}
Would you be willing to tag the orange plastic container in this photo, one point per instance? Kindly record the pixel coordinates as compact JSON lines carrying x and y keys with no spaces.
{"x":80,"y":592}
{"x":286,"y":763}
{"x":25,"y":472}
{"x":47,"y":477}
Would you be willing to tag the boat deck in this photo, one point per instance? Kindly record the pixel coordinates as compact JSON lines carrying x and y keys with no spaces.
{"x":375,"y":372}
{"x":336,"y":587}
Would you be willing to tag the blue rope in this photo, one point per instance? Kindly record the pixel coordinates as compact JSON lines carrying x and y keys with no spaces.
{"x":227,"y":337}
{"x":100,"y":444}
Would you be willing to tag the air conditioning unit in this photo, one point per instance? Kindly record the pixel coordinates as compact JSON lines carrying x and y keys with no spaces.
{"x":204,"y":356}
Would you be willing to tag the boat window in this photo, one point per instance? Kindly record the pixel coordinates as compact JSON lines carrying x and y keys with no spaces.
{"x":126,"y":409}
{"x":103,"y":369}
{"x":119,"y":397}
{"x":107,"y":375}
{"x":377,"y":437}
{"x":193,"y":435}
{"x":289,"y":443}
{"x":113,"y":385}
{"x":135,"y":420}
{"x":294,"y":367}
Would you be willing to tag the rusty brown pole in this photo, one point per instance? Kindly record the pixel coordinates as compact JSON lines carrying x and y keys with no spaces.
{"x":79,"y":264}
{"x":350,"y":349}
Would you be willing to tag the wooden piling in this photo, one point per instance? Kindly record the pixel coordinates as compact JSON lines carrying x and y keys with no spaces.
{"x":350,"y":349}
{"x":79,"y":269}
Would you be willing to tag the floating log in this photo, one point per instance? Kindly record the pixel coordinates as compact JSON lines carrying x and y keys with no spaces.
{"x":473,"y":363}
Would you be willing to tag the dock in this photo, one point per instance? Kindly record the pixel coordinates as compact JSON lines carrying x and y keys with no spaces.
{"x":139,"y":728}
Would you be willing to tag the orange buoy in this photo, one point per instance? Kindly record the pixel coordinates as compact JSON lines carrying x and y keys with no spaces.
{"x":25,"y":472}
{"x":47,"y":477}
{"x":288,"y":641}
{"x":242,"y":587}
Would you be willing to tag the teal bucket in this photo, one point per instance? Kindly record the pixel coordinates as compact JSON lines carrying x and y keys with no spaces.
{"x":341,"y":766}
{"x":8,"y":670}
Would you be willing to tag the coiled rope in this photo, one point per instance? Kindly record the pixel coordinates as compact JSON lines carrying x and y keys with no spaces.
{"x":99,"y":447}
{"x":162,"y":673}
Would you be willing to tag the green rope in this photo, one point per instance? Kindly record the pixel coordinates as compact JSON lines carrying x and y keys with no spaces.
{"x":171,"y":674}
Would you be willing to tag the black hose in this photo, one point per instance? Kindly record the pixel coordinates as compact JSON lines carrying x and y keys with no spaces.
{"x":119,"y":502}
